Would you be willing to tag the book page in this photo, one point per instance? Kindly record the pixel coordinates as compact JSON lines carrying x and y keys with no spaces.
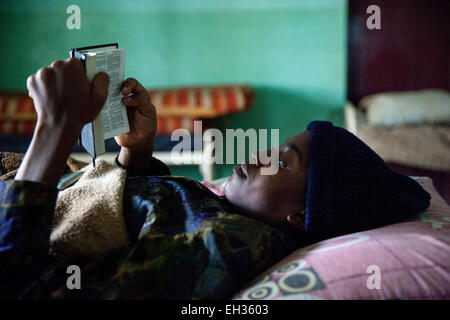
{"x":114,"y":114}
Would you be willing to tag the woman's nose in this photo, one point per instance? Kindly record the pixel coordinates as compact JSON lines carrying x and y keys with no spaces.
{"x":255,"y":158}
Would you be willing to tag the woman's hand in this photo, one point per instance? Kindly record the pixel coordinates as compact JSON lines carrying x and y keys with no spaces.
{"x":64,"y":97}
{"x":64,"y":100}
{"x":137,"y":145}
{"x":142,"y":116}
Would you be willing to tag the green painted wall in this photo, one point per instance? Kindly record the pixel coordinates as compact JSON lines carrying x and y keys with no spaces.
{"x":292,"y":52}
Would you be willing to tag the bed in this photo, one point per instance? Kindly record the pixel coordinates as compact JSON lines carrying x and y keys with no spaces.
{"x":407,"y":260}
{"x":411,"y":259}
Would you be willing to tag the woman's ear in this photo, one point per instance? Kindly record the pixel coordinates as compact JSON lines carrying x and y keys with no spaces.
{"x":296,"y":221}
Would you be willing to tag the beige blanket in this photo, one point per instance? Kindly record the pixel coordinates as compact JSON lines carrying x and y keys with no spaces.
{"x":88,"y":219}
{"x":10,"y":162}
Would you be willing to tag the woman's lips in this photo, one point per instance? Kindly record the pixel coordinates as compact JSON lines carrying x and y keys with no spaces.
{"x":240,"y":171}
{"x":244,"y":168}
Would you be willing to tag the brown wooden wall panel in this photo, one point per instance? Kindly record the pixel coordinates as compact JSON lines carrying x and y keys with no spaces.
{"x":410,"y":52}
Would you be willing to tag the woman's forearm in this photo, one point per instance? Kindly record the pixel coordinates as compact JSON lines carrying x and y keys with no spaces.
{"x":137,"y":163}
{"x":64,"y":100}
{"x":47,"y":154}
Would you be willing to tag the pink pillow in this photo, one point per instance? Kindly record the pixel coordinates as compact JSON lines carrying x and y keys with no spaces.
{"x":408,"y":260}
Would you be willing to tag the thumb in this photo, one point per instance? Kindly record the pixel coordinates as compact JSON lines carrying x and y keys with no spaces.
{"x":99,"y":89}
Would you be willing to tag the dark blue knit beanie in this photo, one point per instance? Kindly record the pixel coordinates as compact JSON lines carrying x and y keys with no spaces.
{"x":350,"y":188}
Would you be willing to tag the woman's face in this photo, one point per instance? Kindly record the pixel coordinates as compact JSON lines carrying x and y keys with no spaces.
{"x":277,"y":199}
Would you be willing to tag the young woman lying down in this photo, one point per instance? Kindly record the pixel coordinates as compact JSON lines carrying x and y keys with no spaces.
{"x":184,"y":241}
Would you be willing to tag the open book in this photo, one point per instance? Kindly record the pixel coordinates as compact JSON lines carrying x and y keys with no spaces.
{"x":113,"y":119}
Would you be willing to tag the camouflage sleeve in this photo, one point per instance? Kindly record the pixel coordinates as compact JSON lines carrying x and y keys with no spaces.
{"x":26,"y":211}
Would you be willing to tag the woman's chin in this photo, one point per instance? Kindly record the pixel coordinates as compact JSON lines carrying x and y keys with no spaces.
{"x":228,"y":187}
{"x":233,"y":186}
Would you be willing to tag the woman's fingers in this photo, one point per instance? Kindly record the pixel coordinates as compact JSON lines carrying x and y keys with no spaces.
{"x":135,"y":100}
{"x":57,"y":64}
{"x":31,"y":85}
{"x":99,"y":89}
{"x":131,"y":85}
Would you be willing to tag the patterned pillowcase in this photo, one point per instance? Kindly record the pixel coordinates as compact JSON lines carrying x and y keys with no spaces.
{"x":408,"y":260}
